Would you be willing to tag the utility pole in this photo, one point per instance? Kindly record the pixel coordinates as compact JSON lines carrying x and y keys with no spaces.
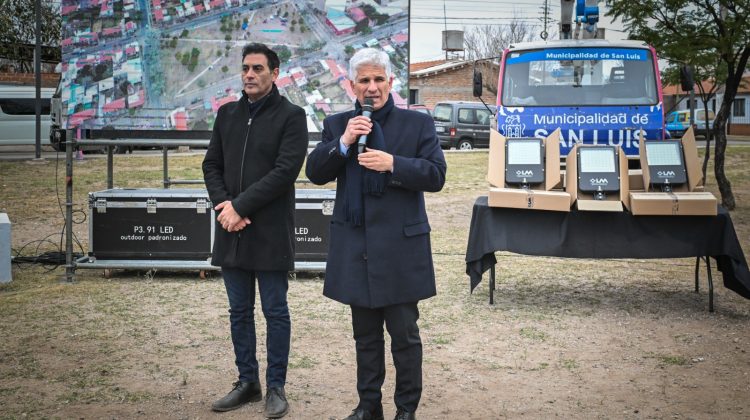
{"x":545,"y":20}
{"x":445,"y":32}
{"x":38,"y":77}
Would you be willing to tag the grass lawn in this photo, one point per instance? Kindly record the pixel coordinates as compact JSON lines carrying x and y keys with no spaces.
{"x":567,"y":338}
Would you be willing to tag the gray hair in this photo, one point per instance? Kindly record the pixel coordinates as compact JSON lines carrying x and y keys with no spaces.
{"x":372,"y":57}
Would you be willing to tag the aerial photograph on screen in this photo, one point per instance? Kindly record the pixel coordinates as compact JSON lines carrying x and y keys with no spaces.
{"x":170,"y":64}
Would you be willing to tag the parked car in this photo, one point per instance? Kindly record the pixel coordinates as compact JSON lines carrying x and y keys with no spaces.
{"x":18,"y":115}
{"x":463,"y":125}
{"x":420,"y":108}
{"x":678,"y":122}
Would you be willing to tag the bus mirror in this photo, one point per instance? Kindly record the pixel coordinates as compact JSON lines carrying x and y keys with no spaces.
{"x":477,"y":83}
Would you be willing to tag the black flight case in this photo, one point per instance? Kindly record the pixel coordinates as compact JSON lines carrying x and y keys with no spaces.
{"x":150,"y":228}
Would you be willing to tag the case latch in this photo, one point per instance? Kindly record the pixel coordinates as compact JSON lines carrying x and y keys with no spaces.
{"x":101,"y":205}
{"x":151,"y":205}
{"x":328,"y":207}
{"x":200,"y":206}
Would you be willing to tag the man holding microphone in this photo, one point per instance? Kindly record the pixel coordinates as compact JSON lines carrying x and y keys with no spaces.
{"x":379,"y":259}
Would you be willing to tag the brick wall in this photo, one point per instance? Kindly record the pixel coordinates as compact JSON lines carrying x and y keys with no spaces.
{"x":452,"y":85}
{"x":48,"y":79}
{"x":739,"y":129}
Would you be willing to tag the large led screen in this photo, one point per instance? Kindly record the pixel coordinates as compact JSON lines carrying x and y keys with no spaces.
{"x":170,"y":64}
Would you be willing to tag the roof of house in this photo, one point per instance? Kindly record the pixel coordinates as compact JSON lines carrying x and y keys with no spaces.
{"x":180,"y":120}
{"x":423,"y":65}
{"x":400,"y":39}
{"x":441,"y":66}
{"x":357,"y":14}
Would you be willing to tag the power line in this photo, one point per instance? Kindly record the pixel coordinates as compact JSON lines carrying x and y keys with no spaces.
{"x":473,"y":18}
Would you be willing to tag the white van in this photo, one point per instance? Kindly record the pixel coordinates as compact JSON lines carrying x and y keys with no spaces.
{"x":18,"y":115}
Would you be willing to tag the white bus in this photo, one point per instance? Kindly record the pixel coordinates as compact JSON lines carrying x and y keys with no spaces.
{"x":18,"y":115}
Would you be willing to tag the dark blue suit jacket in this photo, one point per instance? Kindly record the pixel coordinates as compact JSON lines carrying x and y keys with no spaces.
{"x":387,"y":260}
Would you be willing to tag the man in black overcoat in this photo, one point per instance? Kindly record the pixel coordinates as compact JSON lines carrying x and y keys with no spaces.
{"x":253,"y":159}
{"x":379,"y":258}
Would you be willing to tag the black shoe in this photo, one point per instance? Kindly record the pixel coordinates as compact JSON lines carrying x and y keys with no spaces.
{"x":362,"y":414}
{"x":242,"y":393}
{"x":276,"y":405}
{"x":404,"y":415}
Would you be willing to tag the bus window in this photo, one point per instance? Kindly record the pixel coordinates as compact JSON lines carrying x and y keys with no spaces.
{"x":555,"y":77}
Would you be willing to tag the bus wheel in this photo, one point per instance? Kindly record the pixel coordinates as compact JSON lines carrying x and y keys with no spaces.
{"x":465,"y":144}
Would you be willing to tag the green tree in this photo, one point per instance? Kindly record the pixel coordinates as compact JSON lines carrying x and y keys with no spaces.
{"x":284,"y":53}
{"x":200,"y":125}
{"x":152,"y":58}
{"x":372,"y":14}
{"x":224,"y":69}
{"x":17,"y":27}
{"x":706,"y":92}
{"x":349,"y":50}
{"x":184,"y":33}
{"x":363,"y":27}
{"x":228,"y":37}
{"x":685,"y":31}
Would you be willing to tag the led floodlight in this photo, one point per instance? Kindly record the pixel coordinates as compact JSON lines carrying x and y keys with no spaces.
{"x":598,"y":171}
{"x":666,"y":165}
{"x":524,"y":161}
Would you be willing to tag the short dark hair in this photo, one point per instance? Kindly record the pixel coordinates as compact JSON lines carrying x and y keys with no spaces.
{"x":258,"y":48}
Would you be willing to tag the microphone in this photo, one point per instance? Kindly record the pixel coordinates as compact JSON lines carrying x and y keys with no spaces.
{"x":367,"y":112}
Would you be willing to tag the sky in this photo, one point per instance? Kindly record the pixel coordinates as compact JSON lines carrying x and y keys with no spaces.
{"x":427,"y":21}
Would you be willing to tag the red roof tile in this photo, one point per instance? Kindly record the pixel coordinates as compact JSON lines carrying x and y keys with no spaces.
{"x":425,"y":64}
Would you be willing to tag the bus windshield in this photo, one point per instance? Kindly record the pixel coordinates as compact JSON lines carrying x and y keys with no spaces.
{"x":579,"y":77}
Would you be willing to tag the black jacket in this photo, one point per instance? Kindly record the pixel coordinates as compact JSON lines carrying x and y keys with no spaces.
{"x":255,"y":166}
{"x":387,"y":260}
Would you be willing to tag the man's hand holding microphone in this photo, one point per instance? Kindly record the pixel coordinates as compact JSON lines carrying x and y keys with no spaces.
{"x":356,"y":131}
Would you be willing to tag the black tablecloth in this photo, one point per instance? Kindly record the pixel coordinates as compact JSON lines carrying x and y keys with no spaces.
{"x":591,"y":234}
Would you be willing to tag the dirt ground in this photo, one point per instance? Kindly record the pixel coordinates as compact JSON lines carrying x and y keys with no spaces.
{"x":565,"y":338}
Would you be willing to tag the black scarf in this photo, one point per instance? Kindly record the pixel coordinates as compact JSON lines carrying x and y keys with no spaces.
{"x":360,"y":180}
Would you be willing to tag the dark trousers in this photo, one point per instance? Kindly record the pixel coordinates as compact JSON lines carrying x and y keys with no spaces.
{"x":406,"y":348}
{"x":272,"y":285}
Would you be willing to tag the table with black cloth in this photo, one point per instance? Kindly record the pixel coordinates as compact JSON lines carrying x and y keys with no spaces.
{"x":590,"y":234}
